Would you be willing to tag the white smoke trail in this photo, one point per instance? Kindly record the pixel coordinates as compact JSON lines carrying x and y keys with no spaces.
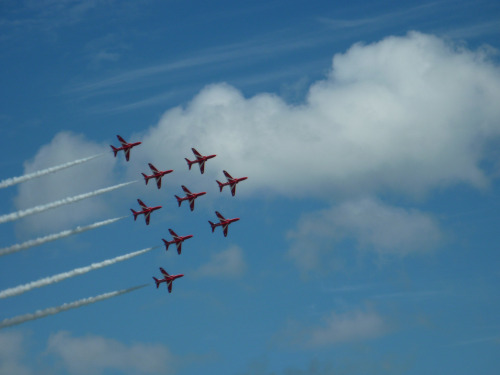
{"x":67,"y":306}
{"x":34,"y":210}
{"x":43,"y":172}
{"x":56,"y":236}
{"x":66,"y":275}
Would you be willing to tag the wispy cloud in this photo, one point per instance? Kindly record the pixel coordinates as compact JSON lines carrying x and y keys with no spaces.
{"x":372,"y":224}
{"x":336,"y":328}
{"x":247,"y":52}
{"x":228,"y":263}
{"x":92,"y":354}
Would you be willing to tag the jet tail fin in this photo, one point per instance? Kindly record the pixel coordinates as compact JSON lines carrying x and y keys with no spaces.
{"x":135,"y":214}
{"x":190,"y":163}
{"x":157,"y":282}
{"x":166,"y":244}
{"x":145,"y":178}
{"x":115,"y":150}
{"x":179,"y":200}
{"x":221,"y":185}
{"x":213,"y":226}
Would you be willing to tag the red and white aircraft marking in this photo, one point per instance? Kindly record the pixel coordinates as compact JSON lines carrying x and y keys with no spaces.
{"x":125,"y":147}
{"x":231,"y":182}
{"x":156,"y":175}
{"x":189,"y":196}
{"x":200,"y":159}
{"x":177,"y":240}
{"x":168,"y":279}
{"x":145,"y":210}
{"x":223,"y":222}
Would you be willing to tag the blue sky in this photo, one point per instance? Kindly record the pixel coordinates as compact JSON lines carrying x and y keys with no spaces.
{"x":368,"y":239}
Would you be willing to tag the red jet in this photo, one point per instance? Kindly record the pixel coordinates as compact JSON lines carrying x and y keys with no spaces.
{"x":230,"y":181}
{"x":222,"y":222}
{"x":177,"y":240}
{"x":190,"y":196}
{"x":125,"y":147}
{"x":200,"y":159}
{"x":156,"y":174}
{"x":145,"y":210}
{"x":167,"y":279}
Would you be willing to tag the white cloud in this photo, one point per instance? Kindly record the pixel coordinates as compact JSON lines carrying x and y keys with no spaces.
{"x":228,"y":263}
{"x":406,"y":114}
{"x":12,"y":354}
{"x":336,"y":328}
{"x":372,"y":224}
{"x":352,"y":326}
{"x":79,"y":179}
{"x":97,"y":355}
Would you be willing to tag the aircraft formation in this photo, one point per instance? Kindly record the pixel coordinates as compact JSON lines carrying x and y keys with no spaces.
{"x":190,"y":197}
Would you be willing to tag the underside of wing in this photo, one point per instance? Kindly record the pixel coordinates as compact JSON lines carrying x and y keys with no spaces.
{"x":153,"y":168}
{"x":164,"y":272}
{"x":202,"y":166}
{"x":219,"y":215}
{"x":186,"y":190}
{"x":196,"y":153}
{"x":142,"y":203}
{"x":169,"y":286}
{"x":228,"y":176}
{"x":179,"y":247}
{"x":147,"y":215}
{"x":233,"y":189}
{"x":225,"y":228}
{"x":191,"y":204}
{"x":173,"y":233}
{"x":158,"y":182}
{"x":127,"y":153}
{"x":122,"y":141}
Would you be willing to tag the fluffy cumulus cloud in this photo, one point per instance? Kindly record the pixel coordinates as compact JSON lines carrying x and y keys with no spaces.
{"x":407,"y":113}
{"x":228,"y":263}
{"x":79,"y":179}
{"x":98,"y":355}
{"x":373,"y":225}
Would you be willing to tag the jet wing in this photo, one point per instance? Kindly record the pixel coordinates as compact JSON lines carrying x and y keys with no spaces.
{"x":196,"y":153}
{"x":191,"y":204}
{"x":186,"y":190}
{"x":233,"y":189}
{"x":228,"y":176}
{"x":147,"y":215}
{"x":122,"y":141}
{"x":202,"y":166}
{"x":158,"y":182}
{"x":179,"y":247}
{"x":225,"y":228}
{"x":173,"y":233}
{"x":142,"y":203}
{"x":153,"y":168}
{"x":219,"y":215}
{"x":169,"y":284}
{"x":164,"y":272}
{"x":127,"y":153}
